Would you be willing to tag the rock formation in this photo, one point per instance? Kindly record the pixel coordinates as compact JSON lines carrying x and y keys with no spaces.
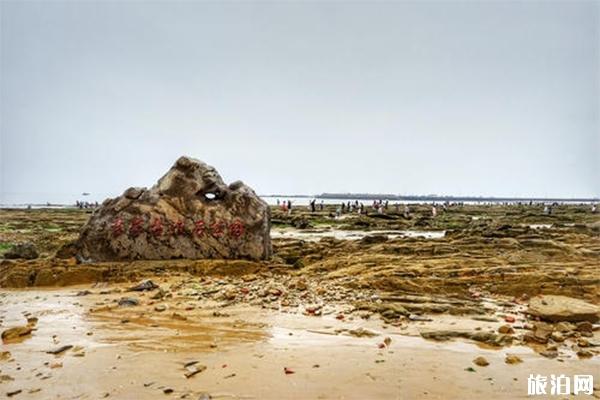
{"x":556,"y":308}
{"x":25,"y":250}
{"x":189,"y":213}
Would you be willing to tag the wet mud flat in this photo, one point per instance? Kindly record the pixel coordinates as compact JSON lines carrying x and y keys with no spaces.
{"x":182,"y":347}
{"x":348,"y":307}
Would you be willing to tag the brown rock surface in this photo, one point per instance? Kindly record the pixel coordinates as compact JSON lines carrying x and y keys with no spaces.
{"x":190,"y":213}
{"x":562,"y":308}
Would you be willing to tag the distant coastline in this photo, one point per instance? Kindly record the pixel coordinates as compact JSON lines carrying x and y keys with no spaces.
{"x":432,"y":198}
{"x":335,"y":198}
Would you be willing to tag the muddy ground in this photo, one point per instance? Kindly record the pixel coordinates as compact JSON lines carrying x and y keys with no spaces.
{"x":377,"y":307}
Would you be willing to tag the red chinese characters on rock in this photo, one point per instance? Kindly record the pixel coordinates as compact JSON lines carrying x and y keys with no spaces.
{"x":199,"y":228}
{"x":156,"y":228}
{"x":217,"y":229}
{"x":117,"y":227}
{"x":178,"y":228}
{"x":137,"y":227}
{"x":236,"y":229}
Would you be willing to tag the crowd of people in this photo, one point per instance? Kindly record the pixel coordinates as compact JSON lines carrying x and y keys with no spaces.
{"x":382,"y":207}
{"x":86,"y":204}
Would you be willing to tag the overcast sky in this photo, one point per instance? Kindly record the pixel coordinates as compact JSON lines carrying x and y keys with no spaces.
{"x":463,"y":98}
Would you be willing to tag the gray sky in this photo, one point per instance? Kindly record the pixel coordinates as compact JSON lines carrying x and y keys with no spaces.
{"x":464,"y":98}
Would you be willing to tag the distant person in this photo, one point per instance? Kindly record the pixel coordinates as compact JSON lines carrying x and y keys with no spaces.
{"x":433,"y":211}
{"x":313,"y":208}
{"x":546,"y":210}
{"x":289,"y":207}
{"x":593,"y":209}
{"x":278,"y":202}
{"x":406,"y":211}
{"x":343,"y":207}
{"x":321,"y":205}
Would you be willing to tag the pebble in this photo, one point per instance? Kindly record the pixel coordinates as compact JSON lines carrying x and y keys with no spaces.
{"x":512,"y":359}
{"x":481,"y":361}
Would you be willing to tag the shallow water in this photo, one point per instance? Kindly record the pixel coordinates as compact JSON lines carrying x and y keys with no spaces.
{"x":245,"y":351}
{"x":316,"y":234}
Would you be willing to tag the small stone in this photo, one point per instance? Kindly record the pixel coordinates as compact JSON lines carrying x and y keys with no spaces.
{"x":585,"y":354}
{"x":160,"y":307}
{"x":566,"y":326}
{"x":143,"y":286}
{"x":581,"y":342}
{"x":128,"y":302}
{"x":512,"y":359}
{"x":194,"y":369}
{"x":60,"y":349}
{"x":506,"y":329}
{"x":179,"y":317}
{"x":362,"y":332}
{"x":549,"y":353}
{"x":16,"y":333}
{"x":481,"y":361}
{"x":585,"y":326}
{"x":557,"y":336}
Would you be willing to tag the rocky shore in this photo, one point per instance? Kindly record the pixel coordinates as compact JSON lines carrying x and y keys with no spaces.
{"x":519,"y":287}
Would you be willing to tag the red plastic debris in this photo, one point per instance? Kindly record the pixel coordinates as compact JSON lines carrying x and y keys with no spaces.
{"x":245,"y":290}
{"x":381,"y":345}
{"x":509,"y":318}
{"x":288,"y":371}
{"x":340,"y":317}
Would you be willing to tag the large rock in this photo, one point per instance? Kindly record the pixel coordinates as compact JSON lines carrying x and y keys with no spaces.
{"x":25,"y":250}
{"x":189,"y":213}
{"x":561,"y":308}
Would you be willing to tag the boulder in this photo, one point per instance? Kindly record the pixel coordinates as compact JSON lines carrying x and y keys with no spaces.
{"x":25,"y":250}
{"x":562,"y":308}
{"x":189,"y":213}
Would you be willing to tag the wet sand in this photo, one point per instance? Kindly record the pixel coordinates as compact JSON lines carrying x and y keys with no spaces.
{"x":245,"y":353}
